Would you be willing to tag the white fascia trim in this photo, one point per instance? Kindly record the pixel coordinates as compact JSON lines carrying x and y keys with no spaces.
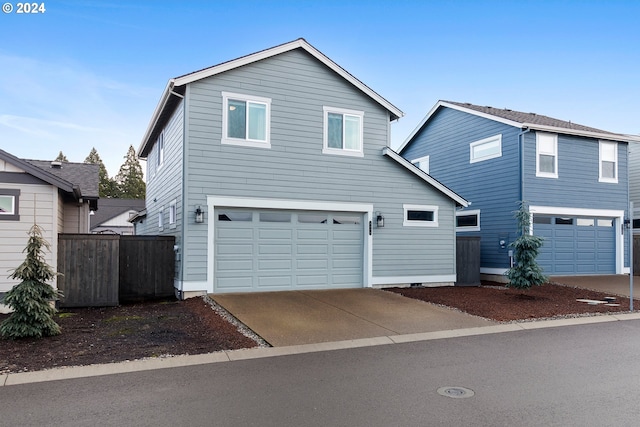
{"x":386,"y":151}
{"x":498,"y":271}
{"x":618,"y":216}
{"x":288,"y":204}
{"x":608,"y":136}
{"x":422,"y":160}
{"x":168,"y":90}
{"x":394,"y":280}
{"x":299,"y":43}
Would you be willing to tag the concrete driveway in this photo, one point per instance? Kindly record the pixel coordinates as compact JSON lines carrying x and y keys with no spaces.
{"x":615,"y":284}
{"x":305,"y":317}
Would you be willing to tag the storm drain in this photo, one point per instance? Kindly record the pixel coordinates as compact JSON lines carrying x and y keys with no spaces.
{"x":455,"y":392}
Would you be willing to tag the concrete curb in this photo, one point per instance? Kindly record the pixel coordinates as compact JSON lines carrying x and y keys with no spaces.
{"x":65,"y":373}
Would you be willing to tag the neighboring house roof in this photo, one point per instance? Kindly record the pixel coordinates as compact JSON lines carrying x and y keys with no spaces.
{"x":111,"y":208}
{"x":522,"y":120}
{"x":79,"y":179}
{"x":425,"y":176}
{"x":175,"y":87}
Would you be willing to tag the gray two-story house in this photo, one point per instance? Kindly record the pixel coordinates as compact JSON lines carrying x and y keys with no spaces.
{"x":274,"y":172}
{"x":573,"y":177}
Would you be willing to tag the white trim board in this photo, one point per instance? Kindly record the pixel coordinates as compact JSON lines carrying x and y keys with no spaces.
{"x":395,"y":280}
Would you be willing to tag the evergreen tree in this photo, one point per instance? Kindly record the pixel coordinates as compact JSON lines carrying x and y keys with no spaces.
{"x":526,"y":272}
{"x":61,"y":158}
{"x":107,"y":186}
{"x":30,"y":299}
{"x":130,"y":180}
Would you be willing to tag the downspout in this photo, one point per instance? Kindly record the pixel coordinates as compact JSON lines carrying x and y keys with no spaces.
{"x":521,"y":143}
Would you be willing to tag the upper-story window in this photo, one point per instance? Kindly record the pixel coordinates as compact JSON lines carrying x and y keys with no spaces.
{"x":9,"y":205}
{"x":343,"y":132}
{"x":422,"y":163}
{"x":160,"y":144}
{"x":546,"y":155}
{"x":608,"y":162}
{"x":246,"y":120}
{"x":485,"y":149}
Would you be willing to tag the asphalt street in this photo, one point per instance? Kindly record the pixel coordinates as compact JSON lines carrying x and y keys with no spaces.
{"x":585,"y":375}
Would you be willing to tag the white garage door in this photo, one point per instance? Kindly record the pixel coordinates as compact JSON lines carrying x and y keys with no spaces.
{"x":261,"y":250}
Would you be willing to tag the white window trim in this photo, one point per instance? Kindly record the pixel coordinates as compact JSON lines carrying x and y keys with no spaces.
{"x":172,"y":214}
{"x":13,"y":205}
{"x":325,"y":133}
{"x":161,"y":218}
{"x":466,"y":213}
{"x":245,"y":142}
{"x":160,"y":143}
{"x":422,"y":160}
{"x":489,"y":140}
{"x":600,"y":177}
{"x":410,"y":223}
{"x":555,"y":154}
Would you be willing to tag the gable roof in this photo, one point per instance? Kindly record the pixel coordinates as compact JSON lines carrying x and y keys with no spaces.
{"x":79,"y":179}
{"x":386,"y":151}
{"x":523,"y":121}
{"x":111,"y":208}
{"x":175,"y":86}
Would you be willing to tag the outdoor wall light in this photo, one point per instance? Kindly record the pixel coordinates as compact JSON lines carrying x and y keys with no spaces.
{"x":379,"y":220}
{"x":199,"y":215}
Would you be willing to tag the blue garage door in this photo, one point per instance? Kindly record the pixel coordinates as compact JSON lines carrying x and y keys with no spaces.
{"x":262,"y":250}
{"x":576,"y":245}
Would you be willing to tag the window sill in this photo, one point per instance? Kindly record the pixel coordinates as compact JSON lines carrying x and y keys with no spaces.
{"x":245,"y":143}
{"x":419,"y":224}
{"x":608,"y":180}
{"x":546,"y":175}
{"x":338,"y":152}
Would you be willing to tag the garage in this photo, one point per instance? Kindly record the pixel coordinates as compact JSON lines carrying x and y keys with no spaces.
{"x":270,"y":249}
{"x":576,"y":244}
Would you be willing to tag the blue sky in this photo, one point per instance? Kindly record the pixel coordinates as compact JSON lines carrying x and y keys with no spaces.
{"x":89,"y":73}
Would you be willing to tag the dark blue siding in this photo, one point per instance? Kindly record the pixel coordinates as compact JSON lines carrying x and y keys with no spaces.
{"x":493,"y":185}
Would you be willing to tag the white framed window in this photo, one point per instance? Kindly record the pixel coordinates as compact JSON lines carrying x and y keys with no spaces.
{"x":608,"y":168}
{"x":343,"y":132}
{"x":246,"y":120}
{"x":422,"y":163}
{"x":9,"y":205}
{"x":546,"y":155}
{"x":161,"y":218}
{"x":485,"y":149}
{"x":160,"y":145}
{"x":172,"y":214}
{"x":420,"y":216}
{"x":468,"y":220}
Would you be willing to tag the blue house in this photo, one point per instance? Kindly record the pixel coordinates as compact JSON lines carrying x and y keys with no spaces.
{"x":573,"y":177}
{"x":274,"y":172}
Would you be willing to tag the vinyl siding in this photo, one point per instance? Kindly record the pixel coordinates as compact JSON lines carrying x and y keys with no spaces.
{"x":492,"y":186}
{"x":295,"y":167}
{"x":634,"y":174}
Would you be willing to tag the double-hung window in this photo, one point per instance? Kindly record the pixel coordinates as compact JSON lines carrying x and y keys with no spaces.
{"x":608,"y":162}
{"x":343,"y":132}
{"x":546,"y":155}
{"x":246,"y":120}
{"x":485,"y":149}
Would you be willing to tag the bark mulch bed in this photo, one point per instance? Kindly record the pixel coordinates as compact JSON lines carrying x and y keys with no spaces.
{"x":496,"y":302}
{"x":127,"y":332}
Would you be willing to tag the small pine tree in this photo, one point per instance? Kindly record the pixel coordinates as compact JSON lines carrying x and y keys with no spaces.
{"x":61,"y":158}
{"x":30,"y":299}
{"x":526,"y":272}
{"x":130,"y":178}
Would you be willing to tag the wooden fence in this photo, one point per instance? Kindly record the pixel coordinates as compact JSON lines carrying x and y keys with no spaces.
{"x":468,"y":260}
{"x":106,"y":270}
{"x":636,"y":255}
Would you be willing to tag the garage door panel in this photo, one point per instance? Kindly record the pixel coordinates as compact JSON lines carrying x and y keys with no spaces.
{"x":235,"y":282}
{"x":235,"y":249}
{"x":274,"y":249}
{"x":235,"y":233}
{"x":312,"y":264}
{"x":237,"y":265}
{"x":312,"y":249}
{"x":318,"y":280}
{"x":312,"y":234}
{"x":274,"y":264}
{"x":282,"y":281}
{"x":275,"y":234}
{"x":349,"y":235}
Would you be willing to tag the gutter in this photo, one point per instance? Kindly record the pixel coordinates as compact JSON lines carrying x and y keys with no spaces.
{"x":521,"y":147}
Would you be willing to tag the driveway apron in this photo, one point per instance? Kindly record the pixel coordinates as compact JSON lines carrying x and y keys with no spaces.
{"x":306,"y":317}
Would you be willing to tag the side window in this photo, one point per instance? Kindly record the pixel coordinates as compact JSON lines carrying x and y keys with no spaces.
{"x":608,"y":169}
{"x":160,"y":144}
{"x":468,"y":220}
{"x":485,"y":149}
{"x":9,"y":205}
{"x":420,"y":216}
{"x":422,"y":163}
{"x":246,"y":120}
{"x":161,"y":218}
{"x":546,"y":155}
{"x":172,"y":214}
{"x":343,"y":132}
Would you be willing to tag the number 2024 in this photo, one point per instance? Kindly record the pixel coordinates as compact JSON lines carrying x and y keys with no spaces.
{"x":30,"y":8}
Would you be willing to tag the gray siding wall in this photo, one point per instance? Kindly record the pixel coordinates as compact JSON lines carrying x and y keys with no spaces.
{"x":634,"y":174}
{"x":164,"y":183}
{"x":295,"y":167}
{"x":492,"y":186}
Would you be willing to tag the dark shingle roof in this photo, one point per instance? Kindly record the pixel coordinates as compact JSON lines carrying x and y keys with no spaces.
{"x":111,"y":208}
{"x":85,"y":176}
{"x":532,"y":118}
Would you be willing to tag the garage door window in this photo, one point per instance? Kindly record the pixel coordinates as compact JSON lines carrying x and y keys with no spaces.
{"x":346,"y":219}
{"x":605,"y":223}
{"x":539,"y":219}
{"x":235,"y":216}
{"x":312,"y":219}
{"x":585,"y":222}
{"x":564,"y":221}
{"x":275,"y":217}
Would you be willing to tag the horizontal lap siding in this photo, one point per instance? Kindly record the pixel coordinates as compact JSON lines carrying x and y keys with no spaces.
{"x":492,"y":186}
{"x":295,"y":168}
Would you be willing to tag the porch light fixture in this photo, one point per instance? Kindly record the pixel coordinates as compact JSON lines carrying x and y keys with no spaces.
{"x":199,"y":215}
{"x":379,"y":220}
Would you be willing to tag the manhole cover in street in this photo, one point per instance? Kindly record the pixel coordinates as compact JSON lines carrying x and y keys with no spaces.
{"x":455,"y":392}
